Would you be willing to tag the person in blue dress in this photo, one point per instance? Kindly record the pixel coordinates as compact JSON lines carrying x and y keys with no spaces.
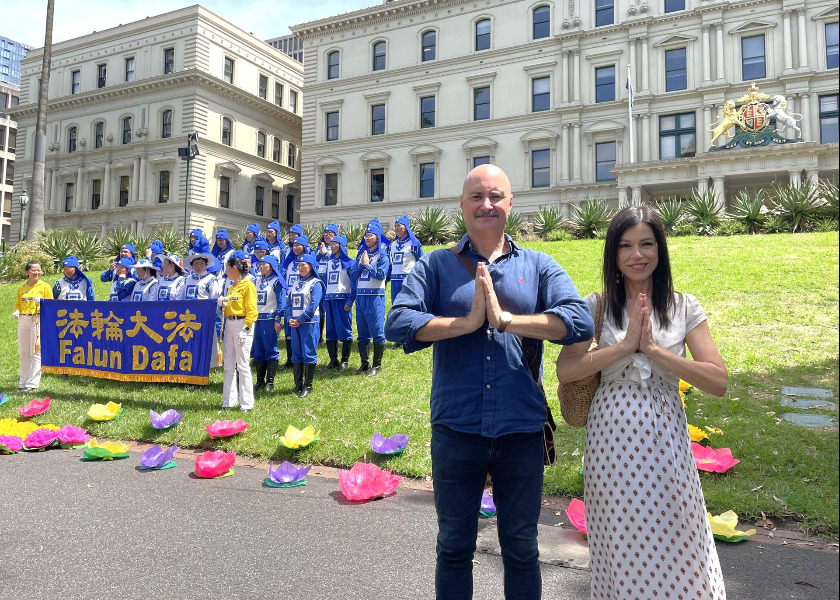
{"x":294,"y":231}
{"x":302,"y":316}
{"x":126,"y":251}
{"x":251,"y":234}
{"x":404,"y":251}
{"x":339,"y":303}
{"x":271,"y":297}
{"x":75,"y":285}
{"x":368,"y":276}
{"x":290,"y":272}
{"x":222,"y":249}
{"x":322,"y":254}
{"x":276,"y":247}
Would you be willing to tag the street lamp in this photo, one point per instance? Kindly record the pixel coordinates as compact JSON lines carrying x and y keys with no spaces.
{"x":188,"y":153}
{"x":23,"y":200}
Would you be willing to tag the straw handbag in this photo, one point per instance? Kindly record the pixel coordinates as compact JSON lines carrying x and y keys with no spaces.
{"x":575,"y":397}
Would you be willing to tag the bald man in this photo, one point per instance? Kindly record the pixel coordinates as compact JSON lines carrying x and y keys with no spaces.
{"x":480,"y":304}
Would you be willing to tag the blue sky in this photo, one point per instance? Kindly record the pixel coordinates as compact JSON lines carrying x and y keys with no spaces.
{"x":23,"y":20}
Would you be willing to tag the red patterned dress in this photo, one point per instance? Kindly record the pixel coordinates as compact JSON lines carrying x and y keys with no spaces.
{"x":649,"y":535}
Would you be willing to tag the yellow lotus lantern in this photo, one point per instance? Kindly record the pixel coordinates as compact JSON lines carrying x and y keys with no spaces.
{"x":105,"y":412}
{"x":723,"y":527}
{"x":299,"y":438}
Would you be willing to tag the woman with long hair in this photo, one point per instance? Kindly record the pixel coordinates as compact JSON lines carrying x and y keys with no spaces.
{"x":28,"y":313}
{"x":645,"y":512}
{"x":239,"y":309}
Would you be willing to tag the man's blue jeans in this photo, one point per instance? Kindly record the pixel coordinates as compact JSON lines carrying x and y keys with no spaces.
{"x":460,"y":464}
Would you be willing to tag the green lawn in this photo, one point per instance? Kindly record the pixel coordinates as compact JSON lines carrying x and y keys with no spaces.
{"x":772,"y":302}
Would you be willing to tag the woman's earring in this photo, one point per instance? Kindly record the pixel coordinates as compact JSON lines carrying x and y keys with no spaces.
{"x":618,"y":277}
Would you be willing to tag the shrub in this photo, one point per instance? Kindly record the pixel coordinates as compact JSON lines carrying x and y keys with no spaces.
{"x":459,"y":226}
{"x":118,"y":238}
{"x":684,"y":229}
{"x":547,"y":220}
{"x":824,"y":224}
{"x":86,"y":247}
{"x":670,"y":211}
{"x":750,"y":209}
{"x":56,"y":243}
{"x":797,"y":205}
{"x":590,"y":218}
{"x":173,"y":241}
{"x":13,"y":261}
{"x":431,"y":225}
{"x":704,"y":210}
{"x":314,"y":233}
{"x":559,"y":235}
{"x":775,"y":224}
{"x":354,"y":234}
{"x":514,"y":224}
{"x":731,"y":227}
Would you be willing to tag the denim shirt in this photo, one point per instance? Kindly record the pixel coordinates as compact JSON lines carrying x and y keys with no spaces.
{"x":481,"y":382}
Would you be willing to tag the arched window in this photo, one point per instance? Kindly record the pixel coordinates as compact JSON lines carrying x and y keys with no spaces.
{"x":126,"y":130}
{"x":260,"y":144}
{"x":98,"y":134}
{"x":166,"y":124}
{"x":542,"y":22}
{"x":379,"y":56}
{"x":482,"y":34}
{"x":227,"y":131}
{"x":72,"y":135}
{"x":333,"y":65}
{"x":429,"y":42}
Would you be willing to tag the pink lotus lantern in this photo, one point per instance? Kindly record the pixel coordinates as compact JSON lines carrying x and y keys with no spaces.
{"x":9,"y":444}
{"x":40,"y":439}
{"x":715,"y":461}
{"x":577,"y":515}
{"x":366,"y":481}
{"x":221,"y":429}
{"x":36,"y":407}
{"x":214,"y":463}
{"x":71,"y":436}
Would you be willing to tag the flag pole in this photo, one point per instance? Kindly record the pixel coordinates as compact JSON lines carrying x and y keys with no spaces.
{"x":630,"y":113}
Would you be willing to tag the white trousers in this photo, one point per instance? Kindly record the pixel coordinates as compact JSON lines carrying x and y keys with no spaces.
{"x":236,"y":357}
{"x":29,"y":331}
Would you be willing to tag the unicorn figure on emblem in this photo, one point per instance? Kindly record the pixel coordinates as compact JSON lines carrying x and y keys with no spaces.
{"x":783,"y":119}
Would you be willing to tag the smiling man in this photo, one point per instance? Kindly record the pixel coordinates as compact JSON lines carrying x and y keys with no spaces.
{"x":475,"y":303}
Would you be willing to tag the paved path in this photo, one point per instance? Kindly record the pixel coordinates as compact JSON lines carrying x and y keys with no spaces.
{"x":76,"y":530}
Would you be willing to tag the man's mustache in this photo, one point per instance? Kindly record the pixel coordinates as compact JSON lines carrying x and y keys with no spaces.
{"x":486,"y":213}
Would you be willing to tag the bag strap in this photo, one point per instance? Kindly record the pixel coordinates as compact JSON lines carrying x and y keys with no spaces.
{"x":599,"y":315}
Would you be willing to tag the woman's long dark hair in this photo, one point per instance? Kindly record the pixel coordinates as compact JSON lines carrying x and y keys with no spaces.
{"x":663,"y":286}
{"x":237,"y":264}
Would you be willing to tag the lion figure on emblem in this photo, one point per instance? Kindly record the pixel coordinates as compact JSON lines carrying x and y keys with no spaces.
{"x":730,"y":119}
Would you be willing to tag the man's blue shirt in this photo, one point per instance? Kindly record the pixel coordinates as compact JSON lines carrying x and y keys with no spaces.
{"x":481,"y":382}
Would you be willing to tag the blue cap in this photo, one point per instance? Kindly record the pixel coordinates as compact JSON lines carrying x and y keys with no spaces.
{"x":275,"y":225}
{"x":156,"y":247}
{"x":331,"y":227}
{"x":128,"y":263}
{"x":70,"y":261}
{"x":374,"y":227}
{"x":310,"y":260}
{"x":302,"y":240}
{"x":260,"y":244}
{"x":223,"y":234}
{"x":296,"y":228}
{"x":254,"y":227}
{"x":130,"y":248}
{"x":241,"y":255}
{"x":197,"y":233}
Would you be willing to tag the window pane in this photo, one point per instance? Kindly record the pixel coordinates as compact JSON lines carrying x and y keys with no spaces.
{"x":377,"y":185}
{"x":226,"y":132}
{"x":166,"y":124}
{"x":427,"y":112}
{"x":687,"y":146}
{"x":604,"y":161}
{"x":480,"y":160}
{"x":541,"y":94}
{"x":667,"y":123}
{"x":482,"y":103}
{"x":686,"y":120}
{"x":379,"y":56}
{"x":275,"y":204}
{"x":675,"y":70}
{"x":259,"y":200}
{"x":333,"y":65}
{"x":168,"y":60}
{"x":832,"y":46}
{"x":291,"y":155}
{"x":163,"y":191}
{"x":541,"y":168}
{"x":429,"y":45}
{"x":275,"y":152}
{"x":126,"y":133}
{"x":330,"y":189}
{"x":427,"y":180}
{"x":129,"y":69}
{"x":261,"y":145}
{"x":828,"y":103}
{"x":752,"y":54}
{"x":224,"y":192}
{"x":377,"y":119}
{"x":228,"y":69}
{"x":482,"y":34}
{"x":332,"y":126}
{"x":667,"y":147}
{"x":674,"y":5}
{"x":278,"y":94}
{"x":828,"y":130}
{"x":293,"y":100}
{"x":604,"y":84}
{"x":263,"y":87}
{"x":542,"y":23}
{"x":603,"y":12}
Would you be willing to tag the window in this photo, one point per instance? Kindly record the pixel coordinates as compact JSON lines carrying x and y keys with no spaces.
{"x":377,"y":185}
{"x":604,"y":161}
{"x":168,"y":60}
{"x":129,"y":69}
{"x":95,"y":193}
{"x":333,"y":64}
{"x":98,"y":134}
{"x":429,"y":46}
{"x":482,"y":34}
{"x":427,"y":112}
{"x":542,"y":22}
{"x":291,"y":154}
{"x":752,"y":58}
{"x":72,"y":135}
{"x":332,"y":126}
{"x":228,"y":69}
{"x":275,"y":152}
{"x":75,"y":82}
{"x":126,"y":130}
{"x":69,"y":192}
{"x":278,"y":94}
{"x":163,"y":187}
{"x":224,"y":192}
{"x":275,"y":204}
{"x":677,"y":135}
{"x":832,"y":46}
{"x":675,"y":70}
{"x":260,"y":144}
{"x":101,"y":75}
{"x":263,"y":87}
{"x":427,"y":180}
{"x":330,"y":189}
{"x":293,"y":99}
{"x":540,"y":94}
{"x":259,"y":200}
{"x":828,"y":119}
{"x":379,"y":56}
{"x":674,"y":5}
{"x":540,"y":168}
{"x":481,"y":103}
{"x":604,"y":13}
{"x":605,"y":84}
{"x":290,"y":208}
{"x":377,"y":119}
{"x":480,"y":160}
{"x":124,"y":183}
{"x":227,"y":131}
{"x":166,"y":124}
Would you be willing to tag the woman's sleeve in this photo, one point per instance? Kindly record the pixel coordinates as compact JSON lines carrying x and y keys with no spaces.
{"x":693,"y":312}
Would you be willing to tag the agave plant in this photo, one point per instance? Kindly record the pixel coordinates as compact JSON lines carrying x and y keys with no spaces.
{"x":547,"y":219}
{"x":431,"y":225}
{"x":670,"y":211}
{"x":173,"y":241}
{"x":829,"y":192}
{"x":354,"y":233}
{"x":590,"y":217}
{"x":118,"y":238}
{"x":57,"y":243}
{"x":797,"y":205}
{"x":86,"y":247}
{"x":514,"y":224}
{"x":704,"y":210}
{"x":731,"y":227}
{"x":775,"y":224}
{"x":459,"y":226}
{"x":314,"y":233}
{"x":750,"y":209}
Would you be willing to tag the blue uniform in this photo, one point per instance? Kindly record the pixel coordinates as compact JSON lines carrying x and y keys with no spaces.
{"x":121,"y":289}
{"x":78,"y":288}
{"x":369,"y":286}
{"x":304,"y":298}
{"x":404,"y":255}
{"x":270,"y":304}
{"x":339,"y":294}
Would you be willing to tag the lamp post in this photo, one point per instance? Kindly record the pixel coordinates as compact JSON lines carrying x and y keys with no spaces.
{"x":188,"y":153}
{"x":23,"y":200}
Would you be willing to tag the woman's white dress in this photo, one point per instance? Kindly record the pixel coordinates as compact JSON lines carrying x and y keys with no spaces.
{"x":649,"y":535}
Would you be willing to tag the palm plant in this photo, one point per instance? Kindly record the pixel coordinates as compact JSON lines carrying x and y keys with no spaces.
{"x":590,"y":217}
{"x":750,"y":209}
{"x":547,"y":219}
{"x":704,"y":210}
{"x":797,"y":205}
{"x":670,"y":211}
{"x":431,"y":225}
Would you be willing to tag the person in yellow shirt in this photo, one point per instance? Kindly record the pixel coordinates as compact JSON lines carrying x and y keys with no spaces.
{"x":239,"y":312}
{"x":28,"y":313}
